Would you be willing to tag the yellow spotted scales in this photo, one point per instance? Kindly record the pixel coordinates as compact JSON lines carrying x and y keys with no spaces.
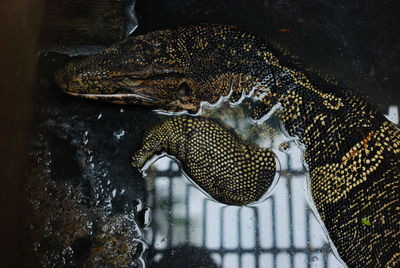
{"x":239,"y":174}
{"x":352,"y":151}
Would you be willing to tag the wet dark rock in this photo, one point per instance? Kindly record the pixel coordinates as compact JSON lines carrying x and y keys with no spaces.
{"x":62,"y":230}
{"x":80,"y":184}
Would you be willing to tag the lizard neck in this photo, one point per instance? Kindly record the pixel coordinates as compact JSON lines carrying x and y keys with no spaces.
{"x":328,"y":120}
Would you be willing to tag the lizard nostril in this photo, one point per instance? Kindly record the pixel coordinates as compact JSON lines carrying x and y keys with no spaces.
{"x":73,"y":84}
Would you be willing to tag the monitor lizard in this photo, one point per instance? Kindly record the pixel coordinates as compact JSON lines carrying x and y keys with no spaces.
{"x":352,"y":151}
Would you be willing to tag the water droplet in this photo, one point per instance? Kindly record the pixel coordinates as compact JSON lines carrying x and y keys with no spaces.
{"x":36,"y":246}
{"x":89,"y":224}
{"x":118,"y":134}
{"x":139,"y":205}
{"x":147,"y":217}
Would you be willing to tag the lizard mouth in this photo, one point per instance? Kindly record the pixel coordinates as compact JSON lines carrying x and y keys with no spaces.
{"x":151,"y":88}
{"x":122,"y":98}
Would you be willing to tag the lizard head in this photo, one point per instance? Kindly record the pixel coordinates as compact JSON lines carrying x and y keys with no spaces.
{"x":173,"y":70}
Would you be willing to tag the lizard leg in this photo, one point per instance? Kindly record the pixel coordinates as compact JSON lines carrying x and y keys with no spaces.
{"x":228,"y":169}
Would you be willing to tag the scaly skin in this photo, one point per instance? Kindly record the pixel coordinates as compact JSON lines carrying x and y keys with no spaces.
{"x":352,"y":151}
{"x":240,"y":173}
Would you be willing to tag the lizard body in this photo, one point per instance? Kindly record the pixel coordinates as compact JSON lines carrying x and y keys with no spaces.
{"x":352,"y":151}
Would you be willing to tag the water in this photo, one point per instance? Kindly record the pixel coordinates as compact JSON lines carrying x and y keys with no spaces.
{"x":278,"y":231}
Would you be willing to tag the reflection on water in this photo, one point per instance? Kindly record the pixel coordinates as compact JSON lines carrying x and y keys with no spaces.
{"x":278,"y":232}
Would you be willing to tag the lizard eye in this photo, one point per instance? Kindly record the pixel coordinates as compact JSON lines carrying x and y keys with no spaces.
{"x":184,"y":90}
